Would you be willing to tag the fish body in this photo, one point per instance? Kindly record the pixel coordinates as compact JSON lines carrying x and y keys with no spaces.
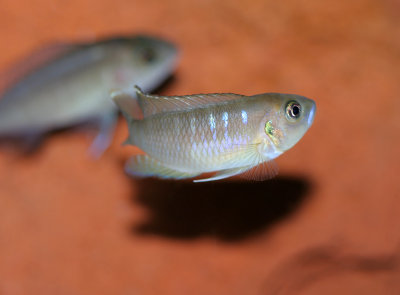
{"x":185,"y":136}
{"x":73,"y":86}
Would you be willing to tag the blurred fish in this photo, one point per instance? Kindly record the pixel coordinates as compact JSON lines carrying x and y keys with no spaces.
{"x":185,"y":136}
{"x":64,"y":85}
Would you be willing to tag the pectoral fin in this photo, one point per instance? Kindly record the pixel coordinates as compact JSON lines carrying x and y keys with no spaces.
{"x":145,"y":166}
{"x":256,"y":169}
{"x":262,"y":171}
{"x":106,"y":130}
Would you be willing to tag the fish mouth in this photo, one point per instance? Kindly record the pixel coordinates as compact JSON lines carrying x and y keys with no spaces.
{"x":311,"y":115}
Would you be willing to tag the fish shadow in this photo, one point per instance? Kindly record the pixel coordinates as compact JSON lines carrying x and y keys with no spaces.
{"x":229,"y":211}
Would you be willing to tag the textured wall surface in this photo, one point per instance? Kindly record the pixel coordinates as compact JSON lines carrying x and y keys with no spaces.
{"x":329,"y":224}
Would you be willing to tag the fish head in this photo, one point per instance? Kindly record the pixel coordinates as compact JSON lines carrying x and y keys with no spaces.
{"x":287,"y":117}
{"x":152,"y":59}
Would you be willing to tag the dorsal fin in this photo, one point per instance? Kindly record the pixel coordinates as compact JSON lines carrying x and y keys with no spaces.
{"x":32,"y":62}
{"x":154,"y":104}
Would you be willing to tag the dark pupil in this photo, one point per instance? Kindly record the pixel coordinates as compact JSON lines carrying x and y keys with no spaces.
{"x":149,"y":55}
{"x":295,"y":111}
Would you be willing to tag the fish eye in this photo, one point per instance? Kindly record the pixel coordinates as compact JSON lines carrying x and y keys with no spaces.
{"x":148,"y":54}
{"x":293,"y":110}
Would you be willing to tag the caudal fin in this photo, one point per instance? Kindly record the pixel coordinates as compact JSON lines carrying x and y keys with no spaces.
{"x":127,"y":102}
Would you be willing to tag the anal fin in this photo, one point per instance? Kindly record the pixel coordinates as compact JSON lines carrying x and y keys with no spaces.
{"x":224,"y":174}
{"x":145,"y":166}
{"x":262,"y":171}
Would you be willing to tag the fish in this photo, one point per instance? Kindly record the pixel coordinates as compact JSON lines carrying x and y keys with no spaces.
{"x":65,"y":85}
{"x":223,"y":133}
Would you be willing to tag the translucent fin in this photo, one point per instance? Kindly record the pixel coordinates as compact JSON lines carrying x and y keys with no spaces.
{"x":257,"y":169}
{"x":127,"y":103}
{"x":263,"y":171}
{"x":153,"y":104}
{"x":144,"y":166}
{"x":32,"y":62}
{"x":106,"y":130}
{"x":224,"y":174}
{"x":246,"y":155}
{"x":31,"y":141}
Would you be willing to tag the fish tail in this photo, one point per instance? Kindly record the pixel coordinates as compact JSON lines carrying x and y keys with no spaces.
{"x":131,"y":122}
{"x":129,"y":106}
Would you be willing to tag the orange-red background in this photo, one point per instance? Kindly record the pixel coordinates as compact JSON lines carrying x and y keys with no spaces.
{"x":329,"y":224}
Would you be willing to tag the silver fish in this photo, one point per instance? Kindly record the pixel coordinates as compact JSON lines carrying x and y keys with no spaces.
{"x":74,"y":85}
{"x":185,"y":136}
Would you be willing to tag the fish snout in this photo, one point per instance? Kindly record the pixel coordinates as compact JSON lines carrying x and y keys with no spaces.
{"x":311,"y":113}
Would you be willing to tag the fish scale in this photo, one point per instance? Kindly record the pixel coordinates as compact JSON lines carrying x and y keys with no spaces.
{"x":194,"y":149}
{"x":185,"y":136}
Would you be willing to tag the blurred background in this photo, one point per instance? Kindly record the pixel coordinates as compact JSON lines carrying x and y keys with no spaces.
{"x":328,"y":224}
